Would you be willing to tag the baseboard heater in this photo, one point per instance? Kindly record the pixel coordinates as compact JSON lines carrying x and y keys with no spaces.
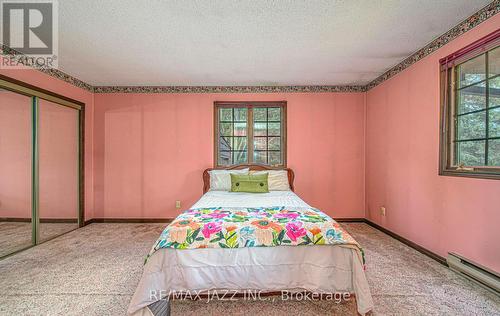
{"x":474,"y":271}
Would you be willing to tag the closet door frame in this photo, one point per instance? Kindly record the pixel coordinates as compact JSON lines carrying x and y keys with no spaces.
{"x":36,"y":93}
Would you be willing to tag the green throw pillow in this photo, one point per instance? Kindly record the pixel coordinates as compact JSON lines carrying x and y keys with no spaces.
{"x":249,"y":183}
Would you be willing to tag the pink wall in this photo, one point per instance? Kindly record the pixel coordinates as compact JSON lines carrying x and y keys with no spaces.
{"x":52,"y":84}
{"x":151,"y":150}
{"x":443,"y":214}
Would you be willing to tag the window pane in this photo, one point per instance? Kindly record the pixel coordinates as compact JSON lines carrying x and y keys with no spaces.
{"x":226,"y":114}
{"x":471,"y":153}
{"x":274,"y":143}
{"x":240,"y":114}
{"x":274,"y":114}
{"x":471,"y":99}
{"x":260,"y":114}
{"x":239,"y":157}
{"x":494,"y":123}
{"x":225,"y":143}
{"x":274,"y":157}
{"x":226,"y":129}
{"x":494,"y":152}
{"x":260,"y":129}
{"x":260,"y":143}
{"x":494,"y":62}
{"x":472,"y":71}
{"x":240,"y":129}
{"x":494,"y":91}
{"x":224,"y":158}
{"x":472,"y":126}
{"x":274,"y":129}
{"x":260,"y":157}
{"x":239,"y":143}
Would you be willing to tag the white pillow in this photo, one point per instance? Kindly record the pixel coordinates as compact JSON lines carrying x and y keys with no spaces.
{"x":220,"y":180}
{"x":277,"y":179}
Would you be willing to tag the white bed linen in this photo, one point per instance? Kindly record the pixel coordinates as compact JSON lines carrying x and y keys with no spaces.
{"x":242,"y":199}
{"x":328,"y":269}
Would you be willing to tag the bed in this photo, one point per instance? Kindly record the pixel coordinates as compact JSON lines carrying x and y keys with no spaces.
{"x":172,"y":267}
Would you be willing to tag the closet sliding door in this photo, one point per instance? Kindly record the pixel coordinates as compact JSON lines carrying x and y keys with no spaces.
{"x":57,"y":169}
{"x":41,"y":165}
{"x":15,"y":172}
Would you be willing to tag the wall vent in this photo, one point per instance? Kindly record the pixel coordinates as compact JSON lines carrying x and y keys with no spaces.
{"x":474,"y":271}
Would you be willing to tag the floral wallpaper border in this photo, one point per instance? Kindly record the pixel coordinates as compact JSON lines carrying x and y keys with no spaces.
{"x":482,"y":15}
{"x":56,"y":73}
{"x":226,"y":89}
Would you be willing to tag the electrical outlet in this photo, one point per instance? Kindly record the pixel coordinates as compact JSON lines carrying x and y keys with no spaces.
{"x":382,"y":210}
{"x":177,"y":204}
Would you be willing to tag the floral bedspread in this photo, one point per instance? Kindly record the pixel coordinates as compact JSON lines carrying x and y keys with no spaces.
{"x":253,"y":227}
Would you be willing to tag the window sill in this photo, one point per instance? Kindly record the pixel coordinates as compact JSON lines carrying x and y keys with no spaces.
{"x":476,"y":173}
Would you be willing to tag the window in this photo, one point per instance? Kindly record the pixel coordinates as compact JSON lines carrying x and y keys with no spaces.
{"x":470,"y":112}
{"x":250,"y":133}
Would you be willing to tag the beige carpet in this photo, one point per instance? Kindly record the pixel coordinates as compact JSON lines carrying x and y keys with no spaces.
{"x":94,"y":271}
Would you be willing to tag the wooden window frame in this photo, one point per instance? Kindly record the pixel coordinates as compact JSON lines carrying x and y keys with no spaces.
{"x":250,"y":105}
{"x":448,"y":108}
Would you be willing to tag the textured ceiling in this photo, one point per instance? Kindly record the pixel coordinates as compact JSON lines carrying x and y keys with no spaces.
{"x":351,"y":42}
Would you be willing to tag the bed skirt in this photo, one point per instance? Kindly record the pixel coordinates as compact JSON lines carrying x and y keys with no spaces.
{"x":316,"y":269}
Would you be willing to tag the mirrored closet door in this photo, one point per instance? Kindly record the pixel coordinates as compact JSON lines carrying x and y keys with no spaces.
{"x":41,"y":138}
{"x":15,"y":172}
{"x":57,"y":169}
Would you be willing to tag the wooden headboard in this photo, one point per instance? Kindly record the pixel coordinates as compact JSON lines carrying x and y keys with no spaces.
{"x":206,"y":175}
